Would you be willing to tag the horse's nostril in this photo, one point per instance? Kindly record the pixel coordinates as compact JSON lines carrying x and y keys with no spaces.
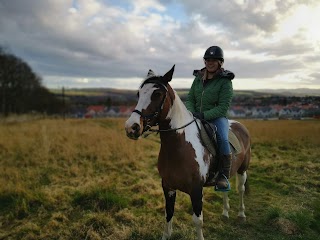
{"x":136,"y":127}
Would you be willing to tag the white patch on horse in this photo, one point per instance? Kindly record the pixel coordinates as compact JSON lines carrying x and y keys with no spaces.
{"x":192,"y":134}
{"x":151,"y":74}
{"x":171,"y":193}
{"x":144,"y":101}
{"x":180,"y":116}
{"x":134,"y":118}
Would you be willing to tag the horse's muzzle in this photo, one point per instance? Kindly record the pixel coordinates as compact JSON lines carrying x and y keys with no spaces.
{"x":133,"y":132}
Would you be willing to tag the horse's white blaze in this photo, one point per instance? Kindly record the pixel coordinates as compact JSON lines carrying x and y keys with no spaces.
{"x":134,"y":118}
{"x":180,"y":116}
{"x":144,"y":100}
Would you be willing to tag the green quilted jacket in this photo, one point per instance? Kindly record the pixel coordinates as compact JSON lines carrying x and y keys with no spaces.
{"x":212,"y":98}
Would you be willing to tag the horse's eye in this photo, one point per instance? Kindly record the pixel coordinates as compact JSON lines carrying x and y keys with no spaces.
{"x":156,"y":95}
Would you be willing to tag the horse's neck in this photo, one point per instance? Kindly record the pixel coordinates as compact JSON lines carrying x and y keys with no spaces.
{"x":178,"y":114}
{"x":184,"y":141}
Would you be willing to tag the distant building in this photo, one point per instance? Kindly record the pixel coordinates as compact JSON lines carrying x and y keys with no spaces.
{"x":94,"y":111}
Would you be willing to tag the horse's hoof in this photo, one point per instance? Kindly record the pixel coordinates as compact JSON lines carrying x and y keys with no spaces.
{"x":224,"y":218}
{"x":242,"y":219}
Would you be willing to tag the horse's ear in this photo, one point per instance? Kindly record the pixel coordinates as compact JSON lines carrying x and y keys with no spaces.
{"x":150,"y":74}
{"x":168,"y":76}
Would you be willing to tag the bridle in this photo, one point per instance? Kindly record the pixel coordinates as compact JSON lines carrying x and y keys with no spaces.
{"x":147,"y":129}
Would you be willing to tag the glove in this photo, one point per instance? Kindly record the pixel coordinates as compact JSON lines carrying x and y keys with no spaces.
{"x":199,"y":115}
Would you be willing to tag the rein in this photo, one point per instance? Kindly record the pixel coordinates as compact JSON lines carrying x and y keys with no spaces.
{"x":150,"y":130}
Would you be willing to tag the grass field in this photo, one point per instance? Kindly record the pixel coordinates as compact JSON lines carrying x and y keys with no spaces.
{"x":84,"y":179}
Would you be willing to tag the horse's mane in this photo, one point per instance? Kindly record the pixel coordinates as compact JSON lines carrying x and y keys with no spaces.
{"x":153,"y":79}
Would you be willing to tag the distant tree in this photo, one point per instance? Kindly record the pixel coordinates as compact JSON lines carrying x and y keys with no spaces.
{"x":20,"y":88}
{"x":108,"y":103}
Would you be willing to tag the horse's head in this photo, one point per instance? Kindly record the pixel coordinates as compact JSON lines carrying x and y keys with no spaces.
{"x":152,"y":96}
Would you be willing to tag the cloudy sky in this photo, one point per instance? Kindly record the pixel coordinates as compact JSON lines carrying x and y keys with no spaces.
{"x":113,"y":43}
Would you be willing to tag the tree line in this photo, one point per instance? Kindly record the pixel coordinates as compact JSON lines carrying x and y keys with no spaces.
{"x":21,"y":89}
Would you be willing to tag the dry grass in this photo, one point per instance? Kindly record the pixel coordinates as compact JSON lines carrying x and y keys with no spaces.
{"x":84,"y":179}
{"x":284,"y":131}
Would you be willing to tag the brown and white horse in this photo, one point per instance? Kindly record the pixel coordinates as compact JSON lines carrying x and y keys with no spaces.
{"x":183,"y":161}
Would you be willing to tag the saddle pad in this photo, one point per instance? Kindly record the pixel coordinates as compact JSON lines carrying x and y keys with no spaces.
{"x":207,"y":141}
{"x":233,"y":140}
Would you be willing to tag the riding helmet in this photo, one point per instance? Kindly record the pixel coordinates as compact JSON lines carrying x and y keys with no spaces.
{"x":214,"y":52}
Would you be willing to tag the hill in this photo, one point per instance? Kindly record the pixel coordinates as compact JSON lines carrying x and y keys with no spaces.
{"x":299,"y":92}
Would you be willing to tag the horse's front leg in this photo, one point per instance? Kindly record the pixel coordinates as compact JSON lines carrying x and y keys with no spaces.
{"x":170,"y":197}
{"x":197,"y":217}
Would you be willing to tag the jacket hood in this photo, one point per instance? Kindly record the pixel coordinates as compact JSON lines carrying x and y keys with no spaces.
{"x":223,"y":73}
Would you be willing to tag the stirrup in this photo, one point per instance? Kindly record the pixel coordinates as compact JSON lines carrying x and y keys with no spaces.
{"x":227,"y":189}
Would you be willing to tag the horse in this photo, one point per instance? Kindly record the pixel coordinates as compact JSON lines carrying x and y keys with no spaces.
{"x":183,"y":160}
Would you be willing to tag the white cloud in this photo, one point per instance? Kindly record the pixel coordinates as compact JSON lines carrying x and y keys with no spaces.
{"x":103,"y":43}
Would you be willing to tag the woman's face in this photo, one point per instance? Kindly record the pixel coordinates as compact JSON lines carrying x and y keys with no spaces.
{"x":212,"y":65}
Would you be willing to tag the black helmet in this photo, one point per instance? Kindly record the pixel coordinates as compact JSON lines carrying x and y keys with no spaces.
{"x":214,"y":52}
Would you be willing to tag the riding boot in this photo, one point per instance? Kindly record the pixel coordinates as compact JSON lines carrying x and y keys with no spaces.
{"x":222,"y":182}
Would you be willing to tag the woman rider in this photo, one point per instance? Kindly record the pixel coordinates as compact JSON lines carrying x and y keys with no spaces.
{"x":209,"y":98}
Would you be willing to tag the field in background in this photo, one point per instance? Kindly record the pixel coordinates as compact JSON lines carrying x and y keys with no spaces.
{"x":84,"y":179}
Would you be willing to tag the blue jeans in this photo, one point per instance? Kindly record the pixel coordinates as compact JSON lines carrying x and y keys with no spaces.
{"x":222,"y":125}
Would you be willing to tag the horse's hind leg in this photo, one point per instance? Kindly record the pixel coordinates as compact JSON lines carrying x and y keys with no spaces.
{"x":241,"y":180}
{"x":197,"y":217}
{"x":170,"y":197}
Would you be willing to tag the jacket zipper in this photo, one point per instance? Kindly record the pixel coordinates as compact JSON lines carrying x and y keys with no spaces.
{"x":201,"y":100}
{"x":203,"y":88}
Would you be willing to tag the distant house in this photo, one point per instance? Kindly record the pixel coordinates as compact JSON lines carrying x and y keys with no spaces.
{"x":284,"y":113}
{"x":125,"y":111}
{"x":95,"y":111}
{"x":263,"y":112}
{"x":237,"y":113}
{"x":297,"y":112}
{"x":313,"y":112}
{"x":113,"y":112}
{"x":291,"y":112}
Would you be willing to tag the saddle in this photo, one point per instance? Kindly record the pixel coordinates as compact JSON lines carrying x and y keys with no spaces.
{"x":209,"y":140}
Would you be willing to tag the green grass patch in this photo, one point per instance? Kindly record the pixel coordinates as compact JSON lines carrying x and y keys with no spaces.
{"x":21,"y":204}
{"x":98,"y":199}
